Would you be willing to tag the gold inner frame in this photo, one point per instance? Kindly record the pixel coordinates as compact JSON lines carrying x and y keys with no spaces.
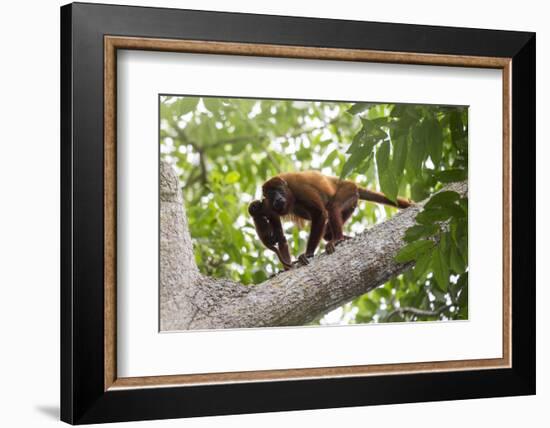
{"x":112,"y":43}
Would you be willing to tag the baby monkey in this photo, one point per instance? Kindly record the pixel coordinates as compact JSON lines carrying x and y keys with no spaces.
{"x":270,"y":231}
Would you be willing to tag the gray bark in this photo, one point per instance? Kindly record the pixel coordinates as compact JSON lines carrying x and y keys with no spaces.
{"x":190,"y":300}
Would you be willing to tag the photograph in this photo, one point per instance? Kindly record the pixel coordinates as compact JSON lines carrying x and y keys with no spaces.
{"x":292,"y":212}
{"x":285,"y":210}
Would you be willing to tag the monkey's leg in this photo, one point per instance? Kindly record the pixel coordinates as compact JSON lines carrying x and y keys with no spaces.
{"x":318,"y":226}
{"x":335,"y":224}
{"x":346,"y":214}
{"x":284,"y":255}
{"x":339,"y":212}
{"x":279,"y":238}
{"x":328,"y":233}
{"x":328,"y":236}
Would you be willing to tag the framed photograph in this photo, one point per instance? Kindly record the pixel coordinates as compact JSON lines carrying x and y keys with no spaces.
{"x":266,"y":213}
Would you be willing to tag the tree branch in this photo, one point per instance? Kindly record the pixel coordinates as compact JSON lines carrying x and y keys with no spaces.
{"x":419,"y":312}
{"x":190,"y":300}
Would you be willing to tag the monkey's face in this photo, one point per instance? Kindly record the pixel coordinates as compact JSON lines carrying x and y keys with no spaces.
{"x":278,"y":201}
{"x":276,"y":192}
{"x":255,"y":208}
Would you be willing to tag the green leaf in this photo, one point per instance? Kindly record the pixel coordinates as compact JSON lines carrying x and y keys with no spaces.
{"x":259,"y":276}
{"x":456,"y":263}
{"x":419,"y":191}
{"x":366,"y":167}
{"x":462,"y":282}
{"x":462,"y":313}
{"x":460,"y":235}
{"x":458,"y":133}
{"x":212,"y":104}
{"x":225,"y":219}
{"x":359,"y":139}
{"x":443,"y":244}
{"x":370,"y":134}
{"x":232,"y":177}
{"x":330,"y":158}
{"x":463,"y":248}
{"x":451,"y":175}
{"x":355,"y":160}
{"x":434,"y":140}
{"x":420,"y":231}
{"x":359,"y":108}
{"x":438,"y":294}
{"x":378,"y":111}
{"x":463,"y":296}
{"x":386,"y":178}
{"x":399,"y":156}
{"x":417,"y":154}
{"x":388,"y":184}
{"x":370,"y":306}
{"x":440,"y":269}
{"x":360,"y":149}
{"x":442,"y":199}
{"x":185,"y":105}
{"x":430,"y":216}
{"x":456,"y":211}
{"x":383,"y":156}
{"x":464,"y":204}
{"x":422,"y":264}
{"x":382,"y":292}
{"x":413,"y":250}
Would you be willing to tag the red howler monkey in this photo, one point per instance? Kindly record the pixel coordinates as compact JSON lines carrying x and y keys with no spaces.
{"x":270,"y":231}
{"x":327,"y":202}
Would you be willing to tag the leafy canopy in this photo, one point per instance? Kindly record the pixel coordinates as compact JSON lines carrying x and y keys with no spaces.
{"x":224,"y":148}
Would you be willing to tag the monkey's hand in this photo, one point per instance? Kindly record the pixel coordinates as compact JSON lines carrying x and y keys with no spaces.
{"x":331,"y":245}
{"x":289,"y":266}
{"x":304,"y":259}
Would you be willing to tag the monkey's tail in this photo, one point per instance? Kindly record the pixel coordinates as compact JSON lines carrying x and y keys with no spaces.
{"x":373,"y":196}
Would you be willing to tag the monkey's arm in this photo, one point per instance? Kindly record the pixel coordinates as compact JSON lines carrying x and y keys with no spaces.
{"x":318,"y":226}
{"x":318,"y":214}
{"x":270,"y":232}
{"x":282,"y":252}
{"x":310,"y":200}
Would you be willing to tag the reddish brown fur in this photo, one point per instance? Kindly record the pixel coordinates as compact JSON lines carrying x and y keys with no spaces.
{"x":269,"y":230}
{"x":327,"y":202}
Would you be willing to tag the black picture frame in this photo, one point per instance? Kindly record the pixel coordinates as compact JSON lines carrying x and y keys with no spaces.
{"x":83,"y":396}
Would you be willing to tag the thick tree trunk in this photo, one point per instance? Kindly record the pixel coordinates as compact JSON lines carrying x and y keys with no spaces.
{"x":190,"y":300}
